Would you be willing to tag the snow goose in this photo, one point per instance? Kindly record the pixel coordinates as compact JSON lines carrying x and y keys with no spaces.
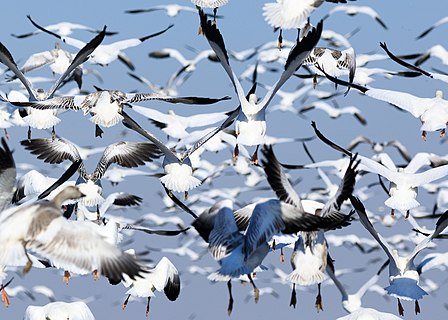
{"x":105,"y":54}
{"x":106,"y":106}
{"x":432,"y":112}
{"x":369,"y":313}
{"x":63,"y":29}
{"x":190,"y":65}
{"x":291,"y":14}
{"x":7,"y":175}
{"x":352,"y":302}
{"x":403,"y":275}
{"x":172,"y":10}
{"x":59,"y":310}
{"x":334,"y":62}
{"x":309,"y":258}
{"x":116,"y":175}
{"x":354,"y":10}
{"x":121,"y":199}
{"x":335,"y":112}
{"x":164,"y":276}
{"x":175,"y":125}
{"x":404,"y":181}
{"x":250,"y":125}
{"x":177,"y":167}
{"x":58,"y":59}
{"x":170,"y":88}
{"x":215,"y":4}
{"x":435,"y":25}
{"x":48,"y":119}
{"x":40,"y":227}
{"x":378,"y":147}
{"x":125,"y":154}
{"x":438,"y":76}
{"x":239,"y":254}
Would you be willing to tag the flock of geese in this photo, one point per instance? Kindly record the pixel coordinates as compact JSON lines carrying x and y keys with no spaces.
{"x":67,"y":223}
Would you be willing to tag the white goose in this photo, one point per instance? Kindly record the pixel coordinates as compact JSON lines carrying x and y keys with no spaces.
{"x":59,"y":310}
{"x":106,"y":106}
{"x":250,"y":125}
{"x":63,"y":29}
{"x":239,"y":254}
{"x":48,"y":119}
{"x":310,"y":255}
{"x":403,"y":275}
{"x":53,"y":237}
{"x":125,"y":154}
{"x":352,"y":302}
{"x":354,"y":10}
{"x":435,"y":25}
{"x":291,"y":14}
{"x":215,"y":4}
{"x":172,"y":10}
{"x":164,"y":276}
{"x":188,"y":64}
{"x":432,"y":112}
{"x":178,"y":170}
{"x":175,"y":125}
{"x":335,"y":112}
{"x":404,"y":181}
{"x":105,"y":54}
{"x":334,"y":62}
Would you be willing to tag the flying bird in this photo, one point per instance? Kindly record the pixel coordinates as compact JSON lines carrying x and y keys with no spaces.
{"x":163,"y":277}
{"x":45,"y":231}
{"x":250,"y":125}
{"x":48,"y":119}
{"x":403,"y":275}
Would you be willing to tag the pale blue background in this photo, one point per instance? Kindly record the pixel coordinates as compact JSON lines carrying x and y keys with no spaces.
{"x":242,"y":27}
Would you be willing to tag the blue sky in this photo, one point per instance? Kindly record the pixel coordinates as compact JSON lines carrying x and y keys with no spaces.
{"x":242,"y":27}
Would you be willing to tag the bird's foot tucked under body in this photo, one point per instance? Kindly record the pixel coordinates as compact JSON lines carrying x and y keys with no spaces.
{"x":424,"y":135}
{"x":442,"y":133}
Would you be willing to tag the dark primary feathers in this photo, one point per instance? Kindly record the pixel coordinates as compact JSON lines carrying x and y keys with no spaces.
{"x":126,"y":154}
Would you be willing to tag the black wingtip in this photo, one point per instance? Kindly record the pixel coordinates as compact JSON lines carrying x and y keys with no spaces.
{"x":65,"y":176}
{"x":424,"y":33}
{"x":43,"y":29}
{"x":172,"y":288}
{"x":404,"y":63}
